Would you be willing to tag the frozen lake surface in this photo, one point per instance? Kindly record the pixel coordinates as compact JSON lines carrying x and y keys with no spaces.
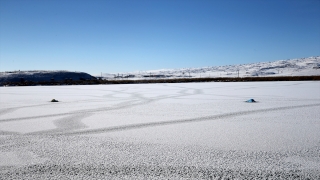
{"x":161,"y":131}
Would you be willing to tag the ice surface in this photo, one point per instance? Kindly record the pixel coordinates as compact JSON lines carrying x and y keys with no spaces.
{"x":161,"y":131}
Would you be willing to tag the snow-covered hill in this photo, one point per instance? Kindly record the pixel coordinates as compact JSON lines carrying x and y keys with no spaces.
{"x":42,"y":76}
{"x":292,"y":67}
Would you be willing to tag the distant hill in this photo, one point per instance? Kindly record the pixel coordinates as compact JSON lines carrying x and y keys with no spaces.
{"x":283,"y":68}
{"x":42,"y":76}
{"x":291,"y":67}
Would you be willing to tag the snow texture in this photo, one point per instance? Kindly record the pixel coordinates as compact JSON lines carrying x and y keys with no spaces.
{"x":161,"y":131}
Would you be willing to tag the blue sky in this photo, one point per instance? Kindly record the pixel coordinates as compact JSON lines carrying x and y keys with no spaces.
{"x":128,"y":35}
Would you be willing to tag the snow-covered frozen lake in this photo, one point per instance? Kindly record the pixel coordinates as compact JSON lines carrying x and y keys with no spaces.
{"x":161,"y":131}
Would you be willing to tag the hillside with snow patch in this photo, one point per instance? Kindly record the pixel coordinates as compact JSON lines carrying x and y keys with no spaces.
{"x":42,"y":76}
{"x":292,"y":67}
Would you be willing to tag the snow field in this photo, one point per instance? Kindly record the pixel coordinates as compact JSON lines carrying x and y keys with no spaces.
{"x":161,"y":131}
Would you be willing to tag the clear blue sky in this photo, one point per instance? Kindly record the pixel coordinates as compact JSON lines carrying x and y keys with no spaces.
{"x":127,"y":35}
